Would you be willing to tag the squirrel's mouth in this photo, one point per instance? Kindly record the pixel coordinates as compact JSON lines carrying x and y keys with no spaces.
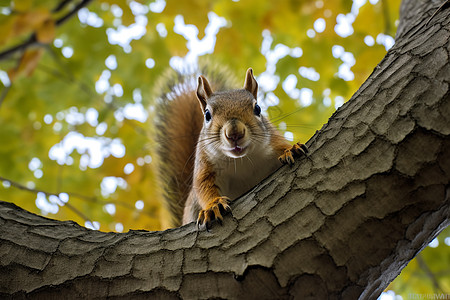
{"x":237,"y":151}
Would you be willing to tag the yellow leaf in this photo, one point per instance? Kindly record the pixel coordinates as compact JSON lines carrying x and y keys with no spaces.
{"x":30,"y":21}
{"x":6,"y":27}
{"x":46,"y":32}
{"x":22,"y":5}
{"x":127,"y":16}
{"x":27,"y":64}
{"x":194,"y":13}
{"x":369,"y":57}
{"x":369,"y":20}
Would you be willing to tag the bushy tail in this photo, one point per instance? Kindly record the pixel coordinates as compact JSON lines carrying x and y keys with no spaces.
{"x":178,"y":122}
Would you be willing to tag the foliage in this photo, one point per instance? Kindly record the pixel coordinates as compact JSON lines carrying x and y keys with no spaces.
{"x":77,"y":99}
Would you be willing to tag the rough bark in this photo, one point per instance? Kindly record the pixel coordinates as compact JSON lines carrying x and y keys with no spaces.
{"x":339,"y":225}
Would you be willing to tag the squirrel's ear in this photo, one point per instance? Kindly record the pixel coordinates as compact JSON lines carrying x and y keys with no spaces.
{"x":203,"y":91}
{"x":250,"y":83}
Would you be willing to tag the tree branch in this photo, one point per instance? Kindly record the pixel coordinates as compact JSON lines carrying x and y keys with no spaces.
{"x":91,"y":199}
{"x":47,"y":194}
{"x":28,"y":43}
{"x":341,"y":225}
{"x":66,"y":17}
{"x":32,"y":40}
{"x":423,"y":265}
{"x":61,"y":5}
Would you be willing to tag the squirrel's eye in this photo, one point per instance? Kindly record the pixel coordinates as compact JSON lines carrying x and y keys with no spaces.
{"x":207,"y":116}
{"x":257,"y":110}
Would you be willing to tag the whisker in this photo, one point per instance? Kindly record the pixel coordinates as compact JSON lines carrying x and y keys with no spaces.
{"x":283,"y":116}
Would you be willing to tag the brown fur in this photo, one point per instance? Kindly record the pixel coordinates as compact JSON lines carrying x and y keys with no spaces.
{"x":178,"y":121}
{"x":234,"y":150}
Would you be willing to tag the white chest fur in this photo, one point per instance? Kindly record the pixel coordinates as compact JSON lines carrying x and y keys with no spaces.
{"x":237,"y":176}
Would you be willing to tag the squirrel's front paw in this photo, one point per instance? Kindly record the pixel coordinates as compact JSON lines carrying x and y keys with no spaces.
{"x":296,"y":150}
{"x":212,"y":212}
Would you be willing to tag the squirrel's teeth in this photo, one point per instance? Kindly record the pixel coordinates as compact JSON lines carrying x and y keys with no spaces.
{"x":236,"y":151}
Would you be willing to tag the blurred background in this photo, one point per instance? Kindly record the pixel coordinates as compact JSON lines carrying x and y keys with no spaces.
{"x":78,"y":87}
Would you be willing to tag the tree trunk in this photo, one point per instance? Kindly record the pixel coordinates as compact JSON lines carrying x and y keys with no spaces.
{"x":340,"y":224}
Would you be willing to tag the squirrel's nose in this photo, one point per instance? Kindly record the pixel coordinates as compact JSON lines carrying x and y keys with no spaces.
{"x":234,"y":136}
{"x":234,"y":131}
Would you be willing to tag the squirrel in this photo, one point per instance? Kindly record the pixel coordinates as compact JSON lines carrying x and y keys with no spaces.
{"x":214,"y":144}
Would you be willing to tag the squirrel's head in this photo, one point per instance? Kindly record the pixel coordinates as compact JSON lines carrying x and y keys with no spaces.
{"x":233,"y":123}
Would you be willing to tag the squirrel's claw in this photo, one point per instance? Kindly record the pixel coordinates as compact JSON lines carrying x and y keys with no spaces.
{"x":213,"y":212}
{"x":300,"y":149}
{"x":296,"y":150}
